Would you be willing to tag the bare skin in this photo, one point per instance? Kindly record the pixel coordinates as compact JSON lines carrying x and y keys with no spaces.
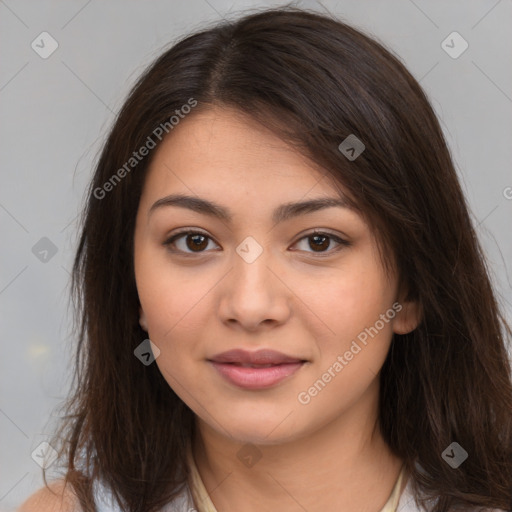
{"x":58,"y":498}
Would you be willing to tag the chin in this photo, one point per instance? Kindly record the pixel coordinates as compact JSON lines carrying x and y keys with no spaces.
{"x":257,"y":430}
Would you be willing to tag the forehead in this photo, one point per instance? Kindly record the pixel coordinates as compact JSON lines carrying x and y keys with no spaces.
{"x":225,"y":153}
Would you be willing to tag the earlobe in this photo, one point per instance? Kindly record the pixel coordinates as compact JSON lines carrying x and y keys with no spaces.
{"x":407,"y":318}
{"x":142,"y":319}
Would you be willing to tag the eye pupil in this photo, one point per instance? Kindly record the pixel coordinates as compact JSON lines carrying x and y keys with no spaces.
{"x":323,"y":245}
{"x":196,"y":244}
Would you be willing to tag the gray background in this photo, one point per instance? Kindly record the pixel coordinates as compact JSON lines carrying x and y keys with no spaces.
{"x":56,"y":111}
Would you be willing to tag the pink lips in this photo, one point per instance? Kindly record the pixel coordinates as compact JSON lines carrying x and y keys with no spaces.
{"x":255,"y":370}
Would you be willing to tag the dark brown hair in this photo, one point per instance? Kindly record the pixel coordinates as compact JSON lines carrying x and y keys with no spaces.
{"x":313,"y":80}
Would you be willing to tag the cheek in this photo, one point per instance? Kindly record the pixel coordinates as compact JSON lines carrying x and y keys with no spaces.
{"x":352,"y":306}
{"x":167,"y":295}
{"x":353,"y":300}
{"x":177,"y":307}
{"x":351,"y":357}
{"x":175,"y":310}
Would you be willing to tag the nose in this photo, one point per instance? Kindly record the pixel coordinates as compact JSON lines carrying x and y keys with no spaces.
{"x":254,"y":294}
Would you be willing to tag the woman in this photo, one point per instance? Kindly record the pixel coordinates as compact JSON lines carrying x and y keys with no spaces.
{"x":283,"y":302}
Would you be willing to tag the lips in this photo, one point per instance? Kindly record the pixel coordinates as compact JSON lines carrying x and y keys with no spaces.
{"x":259,"y":358}
{"x":255,"y":370}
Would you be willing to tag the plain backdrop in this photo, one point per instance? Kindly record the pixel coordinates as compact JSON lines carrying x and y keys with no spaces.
{"x":56,"y":111}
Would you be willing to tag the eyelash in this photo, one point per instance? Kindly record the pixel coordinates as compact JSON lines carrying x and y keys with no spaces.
{"x":342,"y":243}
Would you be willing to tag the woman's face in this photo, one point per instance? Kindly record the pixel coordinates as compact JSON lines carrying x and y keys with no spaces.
{"x":257,"y":279}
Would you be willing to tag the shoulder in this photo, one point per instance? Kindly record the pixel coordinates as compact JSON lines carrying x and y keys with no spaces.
{"x":57,"y":497}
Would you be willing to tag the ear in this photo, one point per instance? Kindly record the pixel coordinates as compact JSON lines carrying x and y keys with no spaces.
{"x":142,"y":319}
{"x":407,"y":318}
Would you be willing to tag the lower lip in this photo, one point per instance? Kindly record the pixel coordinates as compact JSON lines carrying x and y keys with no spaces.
{"x":255,"y":378}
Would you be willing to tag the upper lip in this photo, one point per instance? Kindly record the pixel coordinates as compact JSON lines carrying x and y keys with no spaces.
{"x":259,"y":357}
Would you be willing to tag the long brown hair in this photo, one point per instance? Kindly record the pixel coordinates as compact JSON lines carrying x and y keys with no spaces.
{"x":313,"y":80}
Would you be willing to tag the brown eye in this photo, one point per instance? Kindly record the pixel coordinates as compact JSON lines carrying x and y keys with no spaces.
{"x":320,"y":243}
{"x":195,"y":242}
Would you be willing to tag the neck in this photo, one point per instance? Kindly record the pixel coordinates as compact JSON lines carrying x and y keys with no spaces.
{"x":344,"y":466}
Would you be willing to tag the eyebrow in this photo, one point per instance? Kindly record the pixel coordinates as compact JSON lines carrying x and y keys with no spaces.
{"x":280,"y":214}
